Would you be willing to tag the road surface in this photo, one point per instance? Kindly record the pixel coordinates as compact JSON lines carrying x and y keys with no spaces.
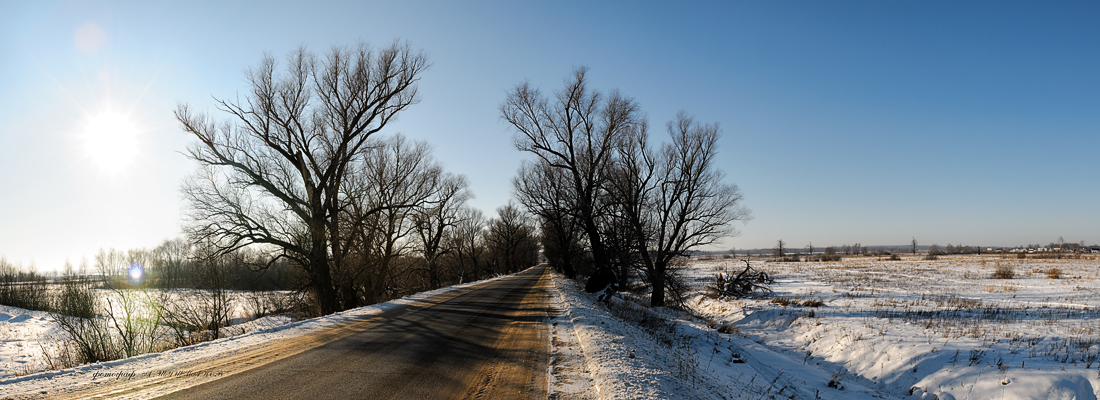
{"x":487,"y":341}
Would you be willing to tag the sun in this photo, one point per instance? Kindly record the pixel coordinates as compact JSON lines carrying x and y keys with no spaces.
{"x":110,"y":140}
{"x":136,"y":272}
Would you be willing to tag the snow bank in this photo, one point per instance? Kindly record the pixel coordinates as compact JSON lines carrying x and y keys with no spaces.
{"x":676,"y":357}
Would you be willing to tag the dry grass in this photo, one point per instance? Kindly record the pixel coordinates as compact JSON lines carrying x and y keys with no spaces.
{"x":1054,"y":273}
{"x":1004,"y":272}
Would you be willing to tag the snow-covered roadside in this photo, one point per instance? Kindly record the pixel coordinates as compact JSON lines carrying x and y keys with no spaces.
{"x":677,"y":358}
{"x":256,"y":334}
{"x":569,"y":375}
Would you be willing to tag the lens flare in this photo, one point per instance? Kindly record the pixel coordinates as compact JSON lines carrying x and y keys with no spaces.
{"x":136,"y":272}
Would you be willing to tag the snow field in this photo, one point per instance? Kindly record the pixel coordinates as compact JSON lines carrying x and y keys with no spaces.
{"x":928,"y":329}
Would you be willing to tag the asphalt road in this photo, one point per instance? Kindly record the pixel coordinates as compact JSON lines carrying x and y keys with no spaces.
{"x":489,"y":342}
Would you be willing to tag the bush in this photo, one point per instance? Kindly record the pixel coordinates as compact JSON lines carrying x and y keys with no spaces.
{"x":788,"y":301}
{"x":76,"y":311}
{"x":1004,"y":272}
{"x":1054,"y":273}
{"x":783,"y":301}
{"x":26,"y":290}
{"x":813,"y":303}
{"x":744,"y":284}
{"x":728,"y":328}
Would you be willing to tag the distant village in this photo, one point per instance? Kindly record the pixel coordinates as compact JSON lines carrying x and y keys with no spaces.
{"x":857,"y":249}
{"x":1054,"y":248}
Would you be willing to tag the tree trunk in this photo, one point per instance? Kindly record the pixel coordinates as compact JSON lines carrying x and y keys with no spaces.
{"x":657,"y":299}
{"x":322,"y":278}
{"x":599,"y":257}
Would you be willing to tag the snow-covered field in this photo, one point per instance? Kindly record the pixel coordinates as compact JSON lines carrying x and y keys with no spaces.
{"x":911,"y":329}
{"x":928,"y":329}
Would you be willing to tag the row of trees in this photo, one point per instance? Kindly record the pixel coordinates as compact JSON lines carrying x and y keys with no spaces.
{"x":600,"y":189}
{"x":124,"y":302}
{"x":301,"y":171}
{"x":300,"y":183}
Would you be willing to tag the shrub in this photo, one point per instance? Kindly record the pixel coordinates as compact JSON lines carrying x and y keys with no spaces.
{"x":1054,"y":273}
{"x":76,"y":311}
{"x":728,"y":328}
{"x":813,"y":303}
{"x":26,"y":290}
{"x":745,"y":284}
{"x":1004,"y":272}
{"x":783,"y":301}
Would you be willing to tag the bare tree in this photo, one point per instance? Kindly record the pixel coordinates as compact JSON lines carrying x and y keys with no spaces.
{"x":201,"y":318}
{"x":511,"y":240}
{"x":397,"y":180}
{"x":545,"y":192}
{"x":134,"y":312}
{"x":675,"y":199}
{"x":435,"y":221}
{"x":111,"y":265}
{"x":914,"y":246}
{"x":563,"y":243}
{"x":468,"y":244}
{"x":576,"y":131}
{"x":933,"y":252}
{"x":171,"y":258}
{"x":780,"y":249}
{"x":274,"y":171}
{"x":810,"y":249}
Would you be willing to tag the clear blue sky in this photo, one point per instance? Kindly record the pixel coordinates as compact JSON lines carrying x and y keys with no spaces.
{"x":854,"y":121}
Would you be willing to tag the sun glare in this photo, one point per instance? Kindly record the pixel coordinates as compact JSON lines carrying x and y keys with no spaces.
{"x":110,"y":141}
{"x":136,"y":272}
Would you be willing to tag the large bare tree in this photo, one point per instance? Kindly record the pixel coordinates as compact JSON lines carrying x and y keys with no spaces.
{"x":274,"y":169}
{"x":575,"y":131}
{"x":674,"y":200}
{"x":397,"y":181}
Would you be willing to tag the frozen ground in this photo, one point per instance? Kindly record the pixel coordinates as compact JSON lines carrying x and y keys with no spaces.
{"x":928,"y":329}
